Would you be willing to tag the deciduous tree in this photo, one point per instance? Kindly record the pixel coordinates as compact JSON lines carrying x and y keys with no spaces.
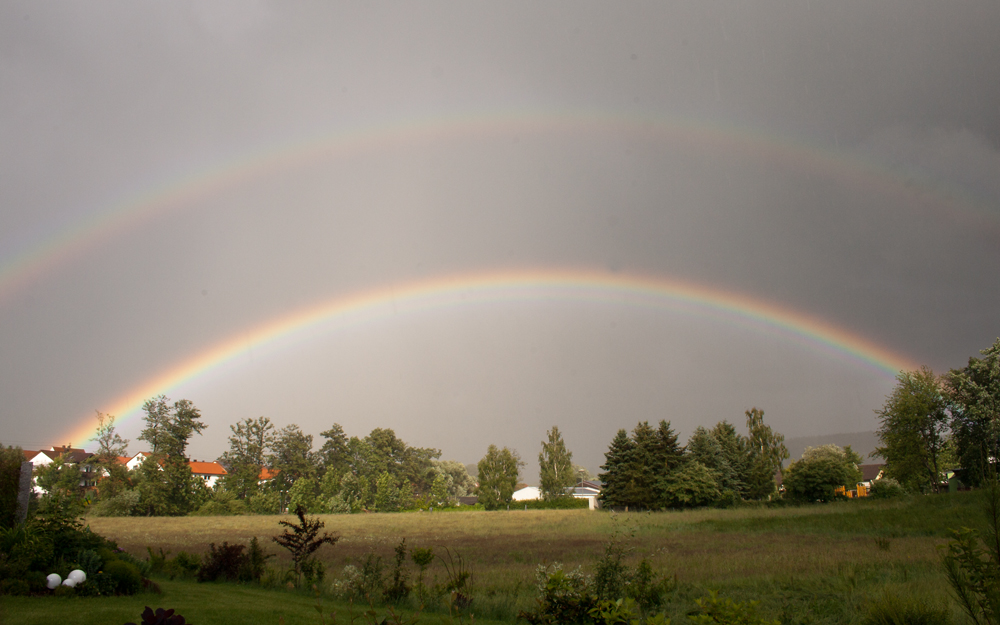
{"x":555,"y":466}
{"x":249,"y":446}
{"x":974,"y":391}
{"x":766,"y":453}
{"x":498,"y":473}
{"x":914,"y":424}
{"x":819,"y":472}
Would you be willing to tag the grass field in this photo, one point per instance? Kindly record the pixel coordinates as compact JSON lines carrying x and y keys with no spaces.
{"x":810,"y":564}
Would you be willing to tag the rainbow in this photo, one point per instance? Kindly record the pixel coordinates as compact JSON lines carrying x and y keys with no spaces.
{"x":501,"y":287}
{"x":182,"y":191}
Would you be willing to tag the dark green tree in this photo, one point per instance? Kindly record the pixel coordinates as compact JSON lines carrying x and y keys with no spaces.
{"x":974,"y":392}
{"x":736,"y":454}
{"x":555,"y":465}
{"x":615,"y":478}
{"x":914,"y":424}
{"x":10,"y":480}
{"x":249,"y":447}
{"x":498,"y":473}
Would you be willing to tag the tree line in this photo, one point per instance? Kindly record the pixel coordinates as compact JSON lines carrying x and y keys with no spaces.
{"x":933,"y":423}
{"x":649,"y":470}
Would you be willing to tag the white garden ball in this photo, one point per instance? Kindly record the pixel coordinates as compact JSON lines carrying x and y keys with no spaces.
{"x":77,"y":576}
{"x":53,"y":580}
{"x":69,"y":581}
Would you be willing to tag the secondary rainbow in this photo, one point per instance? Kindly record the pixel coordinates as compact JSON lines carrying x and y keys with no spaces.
{"x":182,"y":191}
{"x":496,"y":288}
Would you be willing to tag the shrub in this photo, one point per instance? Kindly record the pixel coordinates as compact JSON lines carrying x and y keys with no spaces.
{"x":715,"y":610}
{"x":886,"y":488}
{"x":303,"y":539}
{"x":160,"y":617}
{"x":563,"y":597}
{"x":559,"y":503}
{"x":399,"y":588}
{"x":891,"y":609}
{"x":224,"y":562}
{"x":123,"y":578}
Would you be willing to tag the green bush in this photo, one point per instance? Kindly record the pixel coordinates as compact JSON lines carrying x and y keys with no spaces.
{"x":123,"y":577}
{"x":886,"y":488}
{"x":559,"y":503}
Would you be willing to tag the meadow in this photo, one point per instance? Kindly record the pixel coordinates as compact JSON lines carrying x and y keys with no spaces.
{"x":806,"y":564}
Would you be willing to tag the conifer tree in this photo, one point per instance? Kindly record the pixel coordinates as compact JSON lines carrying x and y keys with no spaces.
{"x":614,"y":477}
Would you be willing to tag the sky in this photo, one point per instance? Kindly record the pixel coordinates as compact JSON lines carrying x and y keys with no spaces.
{"x":470,"y":222}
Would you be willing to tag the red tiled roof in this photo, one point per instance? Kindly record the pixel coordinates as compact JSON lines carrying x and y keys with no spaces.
{"x":266,"y":474}
{"x":206,"y":468}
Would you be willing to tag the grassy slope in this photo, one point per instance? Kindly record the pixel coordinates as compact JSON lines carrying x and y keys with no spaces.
{"x":812,"y":564}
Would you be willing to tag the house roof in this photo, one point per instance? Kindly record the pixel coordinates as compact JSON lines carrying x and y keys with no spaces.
{"x":266,"y":474}
{"x":206,"y":468}
{"x":870,"y":472}
{"x":71,"y":454}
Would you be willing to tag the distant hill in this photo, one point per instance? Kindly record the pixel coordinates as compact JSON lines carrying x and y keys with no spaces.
{"x":862,"y":442}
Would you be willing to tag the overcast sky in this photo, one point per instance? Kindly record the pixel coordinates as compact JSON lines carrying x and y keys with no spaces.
{"x":176,"y":175}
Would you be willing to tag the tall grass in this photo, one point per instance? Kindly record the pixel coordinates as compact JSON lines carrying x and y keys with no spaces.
{"x":829,"y":562}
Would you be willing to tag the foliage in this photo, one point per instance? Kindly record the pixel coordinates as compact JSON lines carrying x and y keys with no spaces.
{"x":690,"y":486}
{"x":894,"y":609}
{"x":562,"y":503}
{"x":302,"y":539}
{"x":249,"y":444}
{"x":766,"y":453}
{"x":399,"y":587}
{"x":498,"y":472}
{"x":972,"y":562}
{"x":304,"y":494}
{"x":974,"y":392}
{"x":422,"y":557}
{"x":164,"y":481}
{"x":124,"y":576}
{"x":564,"y":597}
{"x":10,"y":479}
{"x":222,"y":503}
{"x":555,"y":467}
{"x":637,"y":466}
{"x":728,"y":612}
{"x":459,"y":580}
{"x":913,"y":430}
{"x":160,"y":617}
{"x":819,"y":472}
{"x":886,"y":488}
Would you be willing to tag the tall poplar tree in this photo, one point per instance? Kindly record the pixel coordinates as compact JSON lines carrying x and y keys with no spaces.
{"x":767,"y":452}
{"x":555,"y":466}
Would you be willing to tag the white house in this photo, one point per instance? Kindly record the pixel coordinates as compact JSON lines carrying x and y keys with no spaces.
{"x":528,"y":493}
{"x":210,"y":472}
